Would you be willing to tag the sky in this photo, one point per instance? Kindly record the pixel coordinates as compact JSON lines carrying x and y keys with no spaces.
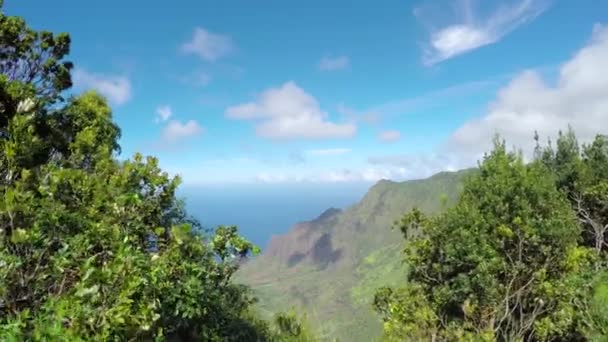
{"x":317,"y":91}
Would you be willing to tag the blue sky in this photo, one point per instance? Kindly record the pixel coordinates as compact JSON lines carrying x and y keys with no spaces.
{"x":227,"y":92}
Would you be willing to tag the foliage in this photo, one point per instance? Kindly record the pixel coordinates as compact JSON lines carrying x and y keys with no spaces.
{"x":290,"y":328}
{"x":582,"y":173}
{"x":93,"y":248}
{"x":109,"y":241}
{"x":34,"y":58}
{"x":411,"y":315}
{"x":506,"y":263}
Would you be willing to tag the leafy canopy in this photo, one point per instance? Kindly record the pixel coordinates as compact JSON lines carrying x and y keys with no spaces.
{"x":93,"y":248}
{"x":512,"y":260}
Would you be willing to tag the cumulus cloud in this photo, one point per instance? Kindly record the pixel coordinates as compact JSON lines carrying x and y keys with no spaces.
{"x":578,"y":98}
{"x":288,"y":112}
{"x":334,"y":63}
{"x":208,"y":46}
{"x":470,"y":30}
{"x":176,"y":130}
{"x":389,"y":136}
{"x":163,"y":113}
{"x":117,"y":89}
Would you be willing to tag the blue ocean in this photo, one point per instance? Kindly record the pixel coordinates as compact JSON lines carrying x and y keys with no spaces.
{"x":262,"y":210}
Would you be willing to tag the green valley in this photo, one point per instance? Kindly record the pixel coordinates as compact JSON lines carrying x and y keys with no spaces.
{"x":331,"y":267}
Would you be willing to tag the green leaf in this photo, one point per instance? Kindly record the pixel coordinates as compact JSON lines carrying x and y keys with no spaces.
{"x":19,"y":236}
{"x":88,"y":291}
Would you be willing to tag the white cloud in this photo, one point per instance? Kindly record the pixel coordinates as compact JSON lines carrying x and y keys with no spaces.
{"x":393,"y":167}
{"x":365,"y":175}
{"x":471,"y":30}
{"x":369,"y":174}
{"x":389,"y":136}
{"x":578,"y":98}
{"x":457,"y":39}
{"x":163,"y":113}
{"x":215,"y":174}
{"x":328,"y":152}
{"x":288,"y":112}
{"x":117,"y":89}
{"x":176,"y":130}
{"x":416,"y":166}
{"x":334,"y":63}
{"x":208,"y":46}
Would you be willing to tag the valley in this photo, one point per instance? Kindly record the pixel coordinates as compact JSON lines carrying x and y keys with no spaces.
{"x":330,"y":267}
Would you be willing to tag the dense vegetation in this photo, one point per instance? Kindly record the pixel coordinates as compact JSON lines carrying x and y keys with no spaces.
{"x":93,"y":248}
{"x":331,"y":266}
{"x":520,"y":257}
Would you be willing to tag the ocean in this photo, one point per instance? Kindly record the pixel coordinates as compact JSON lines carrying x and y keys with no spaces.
{"x":262,"y":210}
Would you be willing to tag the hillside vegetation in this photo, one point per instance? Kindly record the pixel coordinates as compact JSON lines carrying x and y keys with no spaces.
{"x":330,"y":267}
{"x":520,"y":257}
{"x":93,"y":248}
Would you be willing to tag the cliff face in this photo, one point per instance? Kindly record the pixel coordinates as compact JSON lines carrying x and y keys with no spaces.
{"x":330,"y":267}
{"x":306,"y":242}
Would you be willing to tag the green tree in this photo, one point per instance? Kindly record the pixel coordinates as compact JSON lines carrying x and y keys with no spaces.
{"x":582,"y":174}
{"x":92,"y":248}
{"x":97,"y":248}
{"x":503,"y":264}
{"x":33,"y":75}
{"x":34,"y":58}
{"x":586,"y":186}
{"x":288,"y":327}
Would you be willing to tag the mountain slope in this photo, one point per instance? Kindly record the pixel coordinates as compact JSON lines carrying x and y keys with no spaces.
{"x":330,"y":267}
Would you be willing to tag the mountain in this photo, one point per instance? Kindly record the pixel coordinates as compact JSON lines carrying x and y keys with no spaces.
{"x":331,"y":266}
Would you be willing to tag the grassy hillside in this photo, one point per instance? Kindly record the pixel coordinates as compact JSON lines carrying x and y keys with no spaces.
{"x":331,"y":266}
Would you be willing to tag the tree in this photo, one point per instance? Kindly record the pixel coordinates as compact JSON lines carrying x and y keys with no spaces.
{"x":583,"y":177}
{"x":33,"y":75}
{"x":503,"y":264}
{"x":92,"y":248}
{"x":76,"y":245}
{"x":288,"y":327}
{"x":34,"y":58}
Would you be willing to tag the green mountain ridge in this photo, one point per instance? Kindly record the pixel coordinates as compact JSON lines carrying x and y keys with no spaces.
{"x":331,"y":266}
